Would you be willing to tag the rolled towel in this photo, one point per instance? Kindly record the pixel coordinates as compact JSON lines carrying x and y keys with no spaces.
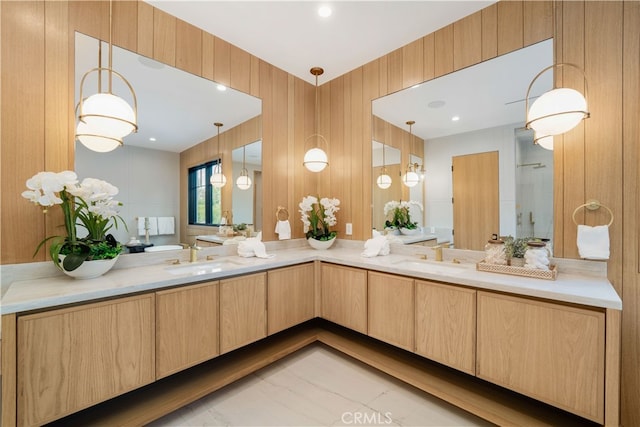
{"x":253,"y":246}
{"x":593,"y":242}
{"x":283,"y":230}
{"x":378,"y":245}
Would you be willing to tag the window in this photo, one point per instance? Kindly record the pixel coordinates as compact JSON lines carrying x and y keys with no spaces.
{"x":204,"y":198}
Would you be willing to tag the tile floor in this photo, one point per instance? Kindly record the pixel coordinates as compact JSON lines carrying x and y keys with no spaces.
{"x":318,"y":386}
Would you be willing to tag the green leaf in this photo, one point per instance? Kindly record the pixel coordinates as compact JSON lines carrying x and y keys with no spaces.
{"x":73,"y":261}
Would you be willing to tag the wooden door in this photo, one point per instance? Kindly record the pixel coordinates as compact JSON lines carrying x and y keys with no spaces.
{"x":186,"y":327}
{"x":243,"y":311}
{"x":391,"y":309}
{"x":290,"y":297}
{"x":476,"y":199}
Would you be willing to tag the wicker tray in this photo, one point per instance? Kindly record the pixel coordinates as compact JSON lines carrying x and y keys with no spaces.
{"x":550,"y":274}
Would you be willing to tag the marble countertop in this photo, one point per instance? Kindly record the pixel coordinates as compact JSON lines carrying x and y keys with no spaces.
{"x":579,"y":282}
{"x":415,"y":238}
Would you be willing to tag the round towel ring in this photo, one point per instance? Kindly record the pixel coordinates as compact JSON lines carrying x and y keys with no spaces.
{"x":592,"y":205}
{"x":282,"y":214}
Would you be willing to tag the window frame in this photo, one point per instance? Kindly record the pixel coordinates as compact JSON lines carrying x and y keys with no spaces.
{"x":192,"y":194}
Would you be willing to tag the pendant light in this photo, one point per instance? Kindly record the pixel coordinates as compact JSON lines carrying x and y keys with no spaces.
{"x":384,"y":180}
{"x":410,"y":178}
{"x":104,"y":119}
{"x":315,"y":159}
{"x":243,"y":182}
{"x":556,"y":111}
{"x":218,"y":179}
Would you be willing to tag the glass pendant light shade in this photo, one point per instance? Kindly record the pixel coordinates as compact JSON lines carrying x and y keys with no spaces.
{"x":95,"y":141}
{"x":410,"y":179}
{"x":218,"y":179}
{"x":545,"y":142}
{"x":384,"y":181}
{"x":557,"y":111}
{"x":108,"y":114}
{"x":315,"y":160}
{"x":243,"y":182}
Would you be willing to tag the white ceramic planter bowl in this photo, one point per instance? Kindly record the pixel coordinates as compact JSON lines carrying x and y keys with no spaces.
{"x":90,"y":269}
{"x":320,"y":244}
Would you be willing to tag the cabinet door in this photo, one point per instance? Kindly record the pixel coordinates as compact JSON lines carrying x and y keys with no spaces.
{"x":290,"y":297}
{"x":446,"y":324}
{"x":551,"y":352}
{"x":186,"y":327}
{"x":391,"y":309}
{"x":344,"y":296}
{"x":243,"y":311}
{"x":73,"y":358}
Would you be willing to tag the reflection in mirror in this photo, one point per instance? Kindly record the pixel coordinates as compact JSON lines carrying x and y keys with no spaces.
{"x":471,"y":111}
{"x":247,"y":206}
{"x":394,"y":191}
{"x":176,"y":111}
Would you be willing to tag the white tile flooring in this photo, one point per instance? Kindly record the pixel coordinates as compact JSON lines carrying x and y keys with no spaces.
{"x":318,"y":386}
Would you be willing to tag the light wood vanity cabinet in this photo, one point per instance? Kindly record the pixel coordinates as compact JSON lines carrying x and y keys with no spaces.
{"x":344,"y":296}
{"x":186,"y":327}
{"x":290,"y":297}
{"x":391,"y":309}
{"x":243,"y":311}
{"x":551,"y":352}
{"x":72,"y":358}
{"x":446,"y":324}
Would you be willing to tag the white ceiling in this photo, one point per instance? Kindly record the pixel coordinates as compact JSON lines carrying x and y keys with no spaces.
{"x":291,"y":35}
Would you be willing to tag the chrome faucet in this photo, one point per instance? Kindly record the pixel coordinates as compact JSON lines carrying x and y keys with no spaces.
{"x":438,"y":250}
{"x":193,"y":253}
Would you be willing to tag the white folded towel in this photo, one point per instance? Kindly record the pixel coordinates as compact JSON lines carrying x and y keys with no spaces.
{"x":593,"y":242}
{"x":253,"y":246}
{"x":378,"y":245}
{"x":153,"y":226}
{"x":166,"y":225}
{"x":234,"y":240}
{"x":283,"y":230}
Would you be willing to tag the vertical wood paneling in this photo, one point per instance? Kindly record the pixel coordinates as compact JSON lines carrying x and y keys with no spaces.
{"x":395,"y":70}
{"x":145,"y":29}
{"x":558,"y":153}
{"x":603,"y":136}
{"x":90,"y":18}
{"x":489,"y":32}
{"x":630,"y":394}
{"x":359,"y":163}
{"x":240,"y":68}
{"x":443,"y":49}
{"x":255,"y":76}
{"x":22,"y":150}
{"x":222,"y":62}
{"x":164,"y":37}
{"x":125,"y":17}
{"x":268,"y":113}
{"x":208,"y":42}
{"x":510,"y":26}
{"x":324,"y":178}
{"x":339,"y":112}
{"x":538,"y":21}
{"x":383,"y":80}
{"x":188,"y":48}
{"x":279,"y":158}
{"x":429,"y":57}
{"x":467,"y":41}
{"x":412,"y":63}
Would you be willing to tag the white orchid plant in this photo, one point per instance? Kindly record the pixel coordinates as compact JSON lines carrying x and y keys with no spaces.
{"x":398,"y":214}
{"x":318,"y":215}
{"x":89,"y":204}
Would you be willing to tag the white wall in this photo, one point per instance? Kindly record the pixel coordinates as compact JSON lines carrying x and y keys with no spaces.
{"x":438,"y":179}
{"x":142,"y":193}
{"x":243,"y":199}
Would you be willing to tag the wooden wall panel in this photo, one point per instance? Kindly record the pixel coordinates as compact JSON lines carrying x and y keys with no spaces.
{"x":145,"y":29}
{"x":188,"y":48}
{"x":125,"y":17}
{"x":394,"y":64}
{"x":359,"y":163}
{"x":490,"y":32}
{"x":22,"y":150}
{"x":443,"y":51}
{"x":467,"y":41}
{"x":208,"y":42}
{"x":510,"y":26}
{"x":222,"y":62}
{"x":164,"y":37}
{"x":90,"y":18}
{"x":338,"y":169}
{"x":630,"y":387}
{"x":412,"y":63}
{"x":240,"y":69}
{"x":538,"y":21}
{"x":429,"y":56}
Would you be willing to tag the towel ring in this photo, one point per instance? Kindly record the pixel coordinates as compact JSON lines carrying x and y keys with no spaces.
{"x":282,"y":213}
{"x":592,"y":205}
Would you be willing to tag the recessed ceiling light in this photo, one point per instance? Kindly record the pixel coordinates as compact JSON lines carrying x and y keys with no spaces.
{"x":455,"y":118}
{"x":436,"y":104}
{"x":324,"y":11}
{"x":222,"y":88}
{"x":152,"y":139}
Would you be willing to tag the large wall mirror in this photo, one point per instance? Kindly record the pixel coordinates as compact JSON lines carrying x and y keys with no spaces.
{"x":475,"y":118}
{"x":176,"y":111}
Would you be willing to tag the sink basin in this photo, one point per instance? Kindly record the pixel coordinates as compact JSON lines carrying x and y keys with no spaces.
{"x":203,"y":267}
{"x":432,"y":266}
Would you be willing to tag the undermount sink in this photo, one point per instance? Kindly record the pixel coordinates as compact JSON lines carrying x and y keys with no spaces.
{"x":437,"y":267}
{"x":203,"y":267}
